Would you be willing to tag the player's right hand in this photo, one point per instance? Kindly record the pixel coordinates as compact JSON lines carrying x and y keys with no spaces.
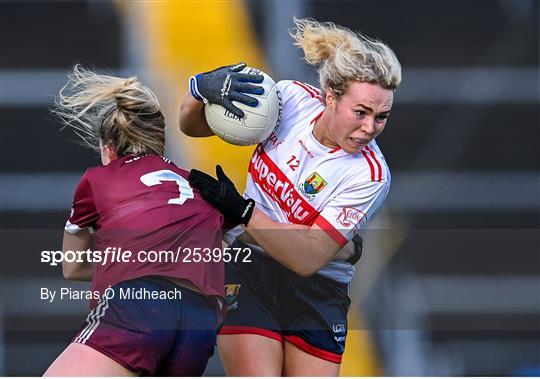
{"x":223,"y":195}
{"x":227,"y":84}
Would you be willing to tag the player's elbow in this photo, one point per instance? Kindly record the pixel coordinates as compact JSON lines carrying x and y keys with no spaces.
{"x":191,"y":119}
{"x":69,"y":274}
{"x":306,"y":273}
{"x":71,"y":271}
{"x":183,"y":124}
{"x":306,"y":270}
{"x":193,"y":126}
{"x":315,"y":262}
{"x":79,"y":272}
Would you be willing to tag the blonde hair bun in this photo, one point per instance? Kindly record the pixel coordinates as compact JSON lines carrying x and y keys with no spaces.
{"x":342,"y":55}
{"x":113,"y":110}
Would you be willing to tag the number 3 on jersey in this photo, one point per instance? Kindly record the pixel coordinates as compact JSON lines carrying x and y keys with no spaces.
{"x":157,"y":177}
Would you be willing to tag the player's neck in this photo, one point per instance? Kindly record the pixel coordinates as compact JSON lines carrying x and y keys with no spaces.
{"x":320,"y":131}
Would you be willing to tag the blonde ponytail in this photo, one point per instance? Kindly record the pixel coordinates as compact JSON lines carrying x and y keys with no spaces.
{"x":116,"y":111}
{"x":342,"y":56}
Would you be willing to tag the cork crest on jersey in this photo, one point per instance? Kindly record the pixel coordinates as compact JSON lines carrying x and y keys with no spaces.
{"x":313,"y":184}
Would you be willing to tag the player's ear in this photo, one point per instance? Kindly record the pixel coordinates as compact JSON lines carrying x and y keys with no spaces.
{"x":111,"y":151}
{"x":108,"y":153}
{"x":330,"y":98}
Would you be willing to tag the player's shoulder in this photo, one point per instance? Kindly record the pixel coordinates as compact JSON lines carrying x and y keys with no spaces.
{"x":370,"y":166}
{"x":126,"y":165}
{"x":300,"y":100}
{"x":97,"y":172}
{"x":93,"y":172}
{"x":298,"y":90}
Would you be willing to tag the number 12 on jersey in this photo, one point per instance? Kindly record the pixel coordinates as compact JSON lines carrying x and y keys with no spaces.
{"x":293,"y":162}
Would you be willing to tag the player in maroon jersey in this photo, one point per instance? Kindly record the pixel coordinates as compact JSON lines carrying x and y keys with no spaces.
{"x":147,"y":317}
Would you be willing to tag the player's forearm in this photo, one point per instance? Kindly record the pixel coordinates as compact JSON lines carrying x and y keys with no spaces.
{"x":191,"y":120}
{"x":345,"y":253}
{"x":298,"y":248}
{"x":79,"y":271}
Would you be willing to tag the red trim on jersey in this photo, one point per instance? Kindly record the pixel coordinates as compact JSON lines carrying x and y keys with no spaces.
{"x":331,"y":231}
{"x":317,"y":91}
{"x":371,"y":167}
{"x":233,"y":329}
{"x":269,"y":177}
{"x":313,"y":350}
{"x":335,"y":149}
{"x":316,"y":117}
{"x":309,"y":90}
{"x":379,"y":178}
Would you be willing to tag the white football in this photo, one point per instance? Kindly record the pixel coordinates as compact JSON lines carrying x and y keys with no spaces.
{"x":257,"y":123}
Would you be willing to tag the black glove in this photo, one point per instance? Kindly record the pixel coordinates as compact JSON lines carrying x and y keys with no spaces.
{"x":222,"y":194}
{"x":358,"y":243}
{"x":227,"y":84}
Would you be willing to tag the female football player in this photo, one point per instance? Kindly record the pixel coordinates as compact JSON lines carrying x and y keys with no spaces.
{"x":311,"y":186}
{"x":155,"y":305}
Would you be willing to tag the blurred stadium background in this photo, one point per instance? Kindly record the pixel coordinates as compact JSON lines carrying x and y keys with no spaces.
{"x":449,"y":283}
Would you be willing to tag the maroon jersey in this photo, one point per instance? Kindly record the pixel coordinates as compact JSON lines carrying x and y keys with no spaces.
{"x":145,"y":205}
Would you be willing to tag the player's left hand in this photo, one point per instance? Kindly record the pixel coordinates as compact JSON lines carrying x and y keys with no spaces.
{"x":227,"y":84}
{"x":223,"y":195}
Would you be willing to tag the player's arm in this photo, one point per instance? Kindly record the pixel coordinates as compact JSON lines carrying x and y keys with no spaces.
{"x":304,"y":251}
{"x":77,"y":237}
{"x":301,"y":248}
{"x":351,"y":252}
{"x":80,"y":241}
{"x":208,"y":88}
{"x":192,"y":121}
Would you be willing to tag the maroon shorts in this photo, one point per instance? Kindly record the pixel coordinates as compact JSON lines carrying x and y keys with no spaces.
{"x":157,"y":337}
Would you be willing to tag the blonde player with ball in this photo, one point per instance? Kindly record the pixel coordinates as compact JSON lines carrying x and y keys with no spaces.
{"x":311,"y":187}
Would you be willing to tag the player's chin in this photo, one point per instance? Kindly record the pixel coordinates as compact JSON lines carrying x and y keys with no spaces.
{"x":352,"y":147}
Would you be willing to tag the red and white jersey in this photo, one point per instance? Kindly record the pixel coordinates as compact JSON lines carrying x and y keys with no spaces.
{"x":295,"y":179}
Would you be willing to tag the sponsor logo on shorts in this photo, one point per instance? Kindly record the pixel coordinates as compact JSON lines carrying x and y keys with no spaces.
{"x":340,"y":332}
{"x":231,"y":294}
{"x":351,"y":217}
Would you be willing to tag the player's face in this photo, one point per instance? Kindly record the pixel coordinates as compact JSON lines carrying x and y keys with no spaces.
{"x":359,"y":115}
